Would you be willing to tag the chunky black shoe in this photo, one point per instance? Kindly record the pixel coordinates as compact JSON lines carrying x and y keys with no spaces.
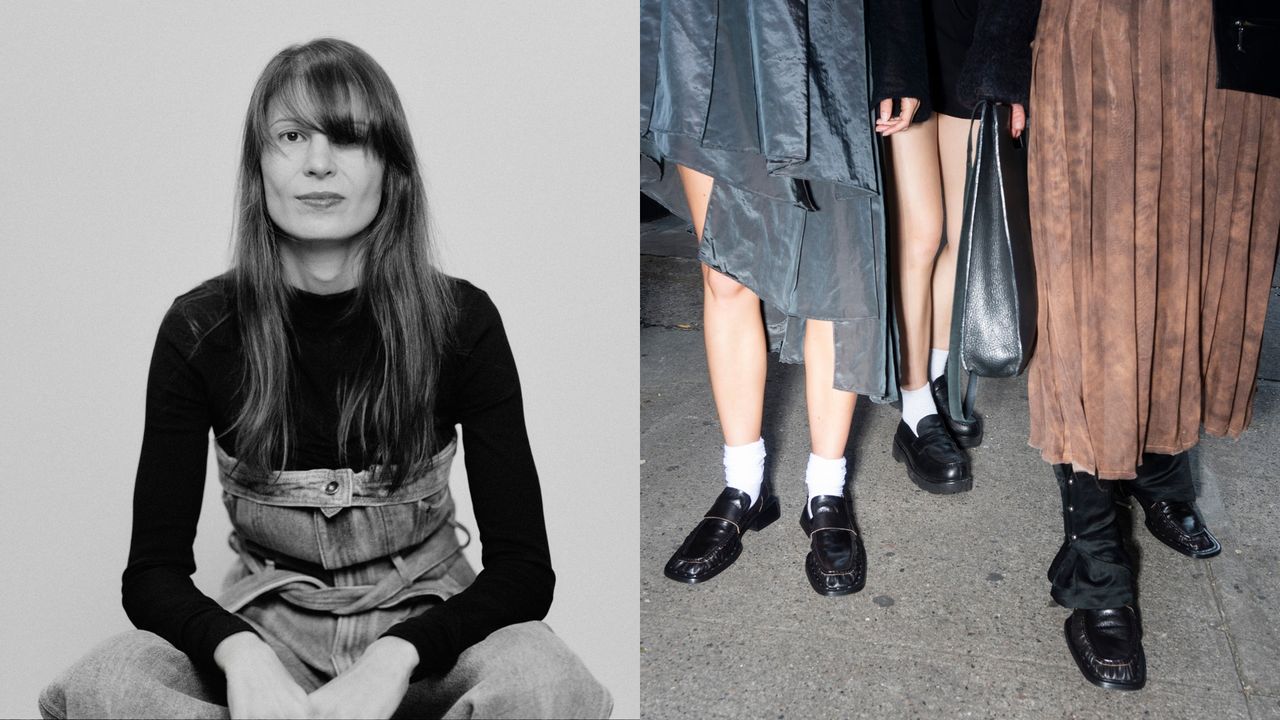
{"x":837,"y":562}
{"x":717,"y":540}
{"x":933,"y":461}
{"x":1168,"y":498}
{"x":1107,"y":645}
{"x":1178,"y":525}
{"x":966,"y":433}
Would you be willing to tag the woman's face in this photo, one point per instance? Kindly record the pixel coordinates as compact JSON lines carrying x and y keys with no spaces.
{"x":316,"y":189}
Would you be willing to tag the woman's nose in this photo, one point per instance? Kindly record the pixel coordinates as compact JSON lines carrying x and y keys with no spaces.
{"x":319,"y":160}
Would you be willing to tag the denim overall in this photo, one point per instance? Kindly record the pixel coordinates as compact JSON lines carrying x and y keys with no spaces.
{"x":328,"y":561}
{"x":336,"y":557}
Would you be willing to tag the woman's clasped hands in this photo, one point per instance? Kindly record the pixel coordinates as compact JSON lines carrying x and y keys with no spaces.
{"x":259,"y":686}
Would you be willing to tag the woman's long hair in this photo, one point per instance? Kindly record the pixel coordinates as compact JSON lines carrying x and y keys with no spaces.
{"x":337,"y":89}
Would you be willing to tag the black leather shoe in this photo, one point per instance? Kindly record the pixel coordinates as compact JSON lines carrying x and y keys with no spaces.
{"x":1166,"y":493}
{"x":717,"y":540}
{"x":933,"y":461}
{"x":1178,"y":525}
{"x":837,"y":562}
{"x":966,"y":433}
{"x":1107,"y":645}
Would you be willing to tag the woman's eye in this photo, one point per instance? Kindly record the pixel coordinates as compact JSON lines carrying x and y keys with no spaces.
{"x":291,"y":136}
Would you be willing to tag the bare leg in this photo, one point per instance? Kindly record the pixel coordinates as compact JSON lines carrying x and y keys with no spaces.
{"x":830,"y":410}
{"x":736,"y":355}
{"x":733,"y":331}
{"x":953,"y":138}
{"x":922,"y":442}
{"x":918,"y":200}
{"x":837,"y":561}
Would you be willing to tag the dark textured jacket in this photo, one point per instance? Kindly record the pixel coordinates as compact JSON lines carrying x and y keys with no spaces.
{"x":896,"y":35}
{"x":997,"y":66}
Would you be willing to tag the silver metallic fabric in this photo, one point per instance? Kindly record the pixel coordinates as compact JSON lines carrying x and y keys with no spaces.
{"x":772,"y":98}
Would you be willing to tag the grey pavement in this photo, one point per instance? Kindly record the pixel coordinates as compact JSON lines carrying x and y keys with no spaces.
{"x":955,"y":619}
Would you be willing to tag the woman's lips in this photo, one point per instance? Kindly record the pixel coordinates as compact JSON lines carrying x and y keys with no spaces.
{"x":320,"y":200}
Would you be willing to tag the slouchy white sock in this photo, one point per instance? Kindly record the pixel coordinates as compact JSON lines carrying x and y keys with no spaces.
{"x":744,"y":467}
{"x":824,"y":476}
{"x":917,"y":405}
{"x":937,"y":362}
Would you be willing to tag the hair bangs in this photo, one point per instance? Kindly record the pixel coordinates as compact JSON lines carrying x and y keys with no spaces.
{"x":332,"y":96}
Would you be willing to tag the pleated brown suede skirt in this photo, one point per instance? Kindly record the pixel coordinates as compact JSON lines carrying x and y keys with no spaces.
{"x":1155,"y":208}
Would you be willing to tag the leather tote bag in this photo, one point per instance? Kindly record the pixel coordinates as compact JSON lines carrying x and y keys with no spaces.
{"x":993,"y":320}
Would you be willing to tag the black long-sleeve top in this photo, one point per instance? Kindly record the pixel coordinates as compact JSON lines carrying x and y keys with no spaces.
{"x":998,"y":64}
{"x":899,"y":66}
{"x":193,"y":386}
{"x":996,"y":67}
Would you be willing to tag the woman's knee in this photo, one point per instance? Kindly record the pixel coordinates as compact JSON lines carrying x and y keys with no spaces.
{"x":919,"y":249}
{"x":115,"y":674}
{"x":723,"y":289}
{"x":534,"y":666}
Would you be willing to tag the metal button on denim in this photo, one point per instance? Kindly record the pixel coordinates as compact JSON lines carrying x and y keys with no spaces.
{"x":331,"y":488}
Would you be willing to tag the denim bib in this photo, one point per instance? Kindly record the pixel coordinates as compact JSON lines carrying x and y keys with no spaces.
{"x":341,"y":541}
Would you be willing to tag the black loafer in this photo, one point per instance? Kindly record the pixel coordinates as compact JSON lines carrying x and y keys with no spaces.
{"x":933,"y":461}
{"x":1164,"y":489}
{"x":717,"y":540}
{"x":1178,"y":525}
{"x":1107,"y":646}
{"x":837,"y":561}
{"x":966,"y":433}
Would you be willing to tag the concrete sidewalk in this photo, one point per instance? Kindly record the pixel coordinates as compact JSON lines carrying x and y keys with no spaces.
{"x":955,"y":619}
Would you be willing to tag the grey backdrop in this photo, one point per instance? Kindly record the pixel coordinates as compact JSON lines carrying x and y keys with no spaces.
{"x":120,"y":132}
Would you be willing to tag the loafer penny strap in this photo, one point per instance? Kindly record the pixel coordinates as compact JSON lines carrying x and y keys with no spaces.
{"x":831,"y":520}
{"x":731,"y":506}
{"x":735,"y":525}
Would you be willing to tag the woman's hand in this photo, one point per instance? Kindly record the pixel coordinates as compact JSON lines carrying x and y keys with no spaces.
{"x":1017,"y":120}
{"x":886,"y":125}
{"x":373,"y":687}
{"x":258,"y":685}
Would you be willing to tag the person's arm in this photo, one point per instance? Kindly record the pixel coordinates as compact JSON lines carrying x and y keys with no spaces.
{"x":998,"y":64}
{"x":157,"y":590}
{"x":158,"y":593}
{"x":517,"y":581}
{"x":895,"y":34}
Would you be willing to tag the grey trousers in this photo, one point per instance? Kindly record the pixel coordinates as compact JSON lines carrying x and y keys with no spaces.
{"x":519,"y":671}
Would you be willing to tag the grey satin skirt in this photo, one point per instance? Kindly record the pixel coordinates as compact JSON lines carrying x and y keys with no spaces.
{"x":772,"y":99}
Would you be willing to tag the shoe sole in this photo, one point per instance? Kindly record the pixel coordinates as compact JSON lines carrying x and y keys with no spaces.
{"x":1084,"y":666}
{"x":966,"y":443}
{"x":964,"y":484}
{"x":768,"y":514}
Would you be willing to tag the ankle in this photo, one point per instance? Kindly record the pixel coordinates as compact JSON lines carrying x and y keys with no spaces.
{"x":744,"y":467}
{"x":917,"y":405}
{"x":825,"y":476}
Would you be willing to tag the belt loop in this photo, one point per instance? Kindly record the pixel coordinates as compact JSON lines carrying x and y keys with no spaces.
{"x":459,"y":526}
{"x":402,"y":568}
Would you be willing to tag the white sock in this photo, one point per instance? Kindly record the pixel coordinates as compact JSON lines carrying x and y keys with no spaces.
{"x":937,"y":362}
{"x":824,"y":476}
{"x":917,"y":405}
{"x":744,"y":467}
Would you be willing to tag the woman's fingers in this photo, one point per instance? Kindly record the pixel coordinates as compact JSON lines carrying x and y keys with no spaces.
{"x":1018,"y":121}
{"x":886,"y":125}
{"x":886,"y":107}
{"x":909,"y":107}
